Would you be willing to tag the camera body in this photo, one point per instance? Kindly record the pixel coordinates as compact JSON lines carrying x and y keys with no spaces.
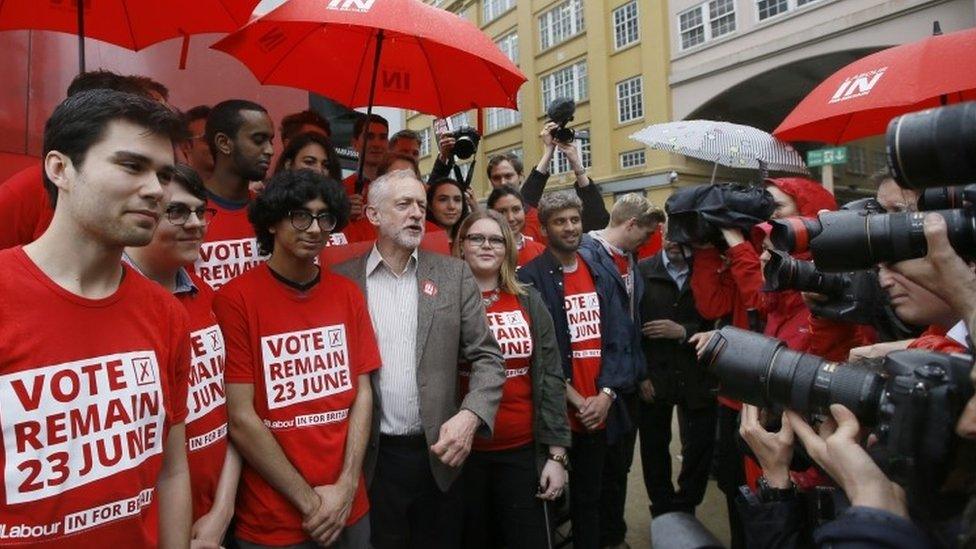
{"x":911,"y":404}
{"x":466,"y":140}
{"x":561,"y":111}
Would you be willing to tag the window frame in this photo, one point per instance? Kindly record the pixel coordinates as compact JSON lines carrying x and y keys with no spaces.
{"x":706,"y":21}
{"x":643,"y":157}
{"x":639,"y":79}
{"x":636,"y":20}
{"x":553,"y":38}
{"x":579,"y":82}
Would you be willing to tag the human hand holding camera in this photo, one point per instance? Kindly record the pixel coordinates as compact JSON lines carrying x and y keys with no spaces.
{"x":774,"y":451}
{"x":446,"y":145}
{"x":700,"y":341}
{"x":953,"y":280}
{"x":837,"y":449}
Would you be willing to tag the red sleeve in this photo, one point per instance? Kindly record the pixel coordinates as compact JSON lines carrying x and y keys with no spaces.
{"x":934,"y":339}
{"x":179,"y":363}
{"x":21,"y":208}
{"x":747,"y":272}
{"x":834,"y":340}
{"x":232,"y":316}
{"x":711,"y":285}
{"x":367,"y":357}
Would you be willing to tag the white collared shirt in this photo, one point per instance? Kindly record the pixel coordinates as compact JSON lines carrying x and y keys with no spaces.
{"x":392,"y":302}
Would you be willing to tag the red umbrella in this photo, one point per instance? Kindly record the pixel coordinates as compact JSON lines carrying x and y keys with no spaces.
{"x":132,"y":24}
{"x":395,"y":53}
{"x":430,"y":60}
{"x":860,"y":99}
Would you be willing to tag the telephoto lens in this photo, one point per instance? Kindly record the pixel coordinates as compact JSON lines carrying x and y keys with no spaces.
{"x":857,"y":240}
{"x":764,"y":372}
{"x":941,"y":198}
{"x":933,"y":148}
{"x":783,"y":272}
{"x":793,"y":234}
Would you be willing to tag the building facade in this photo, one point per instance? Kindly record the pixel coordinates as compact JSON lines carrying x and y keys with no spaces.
{"x":611,"y":56}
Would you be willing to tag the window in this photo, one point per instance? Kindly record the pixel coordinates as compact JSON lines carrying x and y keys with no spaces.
{"x":560,"y":164}
{"x":772,"y":8}
{"x":491,"y":9}
{"x":517,"y":151}
{"x":509,"y":46}
{"x":705,"y":22}
{"x":566,"y":82}
{"x":496,"y":119}
{"x":632,"y":159}
{"x":880,"y":161}
{"x":630,"y":99}
{"x":424,"y":142}
{"x":560,"y":23}
{"x":458,"y":120}
{"x":626,"y":29}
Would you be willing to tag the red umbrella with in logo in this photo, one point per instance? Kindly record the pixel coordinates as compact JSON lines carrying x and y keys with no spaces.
{"x":860,"y":99}
{"x":394,"y":53}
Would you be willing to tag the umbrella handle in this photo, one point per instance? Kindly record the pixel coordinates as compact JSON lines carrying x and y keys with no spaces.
{"x":81,"y":35}
{"x":369,"y":110}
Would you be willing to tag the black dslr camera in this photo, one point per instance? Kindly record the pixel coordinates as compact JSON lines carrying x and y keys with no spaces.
{"x":466,"y":141}
{"x":561,"y":111}
{"x":911,"y":405}
{"x":933,"y":147}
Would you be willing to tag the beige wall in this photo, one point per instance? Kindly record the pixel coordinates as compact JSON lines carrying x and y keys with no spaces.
{"x":825,"y":26}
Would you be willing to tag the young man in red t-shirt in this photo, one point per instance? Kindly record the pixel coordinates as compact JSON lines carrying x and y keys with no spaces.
{"x":26,"y":207}
{"x":566,"y":283}
{"x":239,"y":134}
{"x":214,"y":465}
{"x":93,"y":357}
{"x":371,"y":142}
{"x":300,"y":348}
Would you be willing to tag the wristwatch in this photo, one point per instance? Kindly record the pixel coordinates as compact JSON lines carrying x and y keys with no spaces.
{"x":609,"y":392}
{"x":562,"y":459}
{"x":769,"y":494}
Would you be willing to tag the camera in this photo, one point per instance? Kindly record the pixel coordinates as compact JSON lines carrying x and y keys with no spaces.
{"x":696,"y":214}
{"x":933,"y":148}
{"x":856,"y":240}
{"x":466,"y":141}
{"x":911,"y":404}
{"x":561,"y":111}
{"x":783,"y":272}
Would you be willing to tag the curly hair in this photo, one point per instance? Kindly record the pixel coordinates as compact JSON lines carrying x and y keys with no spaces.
{"x":289,"y":190}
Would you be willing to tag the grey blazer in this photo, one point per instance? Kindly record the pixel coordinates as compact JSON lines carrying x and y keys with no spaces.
{"x":451,"y":325}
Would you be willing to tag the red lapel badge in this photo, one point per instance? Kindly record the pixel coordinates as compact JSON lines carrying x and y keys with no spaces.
{"x":430,"y":288}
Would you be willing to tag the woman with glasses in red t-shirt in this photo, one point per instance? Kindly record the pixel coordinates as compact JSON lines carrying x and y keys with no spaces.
{"x":507,"y":478}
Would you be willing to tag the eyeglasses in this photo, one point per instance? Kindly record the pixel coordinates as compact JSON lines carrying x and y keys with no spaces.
{"x":302,"y":220}
{"x":179,"y":214}
{"x":480,"y":239}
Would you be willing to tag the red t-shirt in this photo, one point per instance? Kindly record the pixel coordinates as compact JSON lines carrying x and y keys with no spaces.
{"x":303,"y":352}
{"x":513,"y":422}
{"x":25,"y":209}
{"x":583,"y":314}
{"x":533,"y":228}
{"x":349,"y":183}
{"x":206,"y":422}
{"x":90,"y":389}
{"x":530,"y":250}
{"x":229,"y":248}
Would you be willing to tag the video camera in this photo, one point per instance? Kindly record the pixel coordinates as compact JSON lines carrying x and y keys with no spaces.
{"x":911,"y":405}
{"x":933,"y":147}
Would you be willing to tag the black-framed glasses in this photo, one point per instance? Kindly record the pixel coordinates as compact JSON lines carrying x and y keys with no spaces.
{"x":480,"y":239}
{"x":302,"y":220}
{"x":179,"y":214}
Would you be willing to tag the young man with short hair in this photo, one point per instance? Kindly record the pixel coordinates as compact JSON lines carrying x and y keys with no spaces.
{"x":94,"y":357}
{"x":239,"y":134}
{"x":610,"y":253}
{"x":369,"y":140}
{"x":25,"y":207}
{"x":569,"y":288}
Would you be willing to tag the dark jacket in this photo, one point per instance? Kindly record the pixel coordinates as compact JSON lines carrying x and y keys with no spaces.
{"x":545,"y":274}
{"x":623,"y":357}
{"x":672,"y":365}
{"x":550,"y":424}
